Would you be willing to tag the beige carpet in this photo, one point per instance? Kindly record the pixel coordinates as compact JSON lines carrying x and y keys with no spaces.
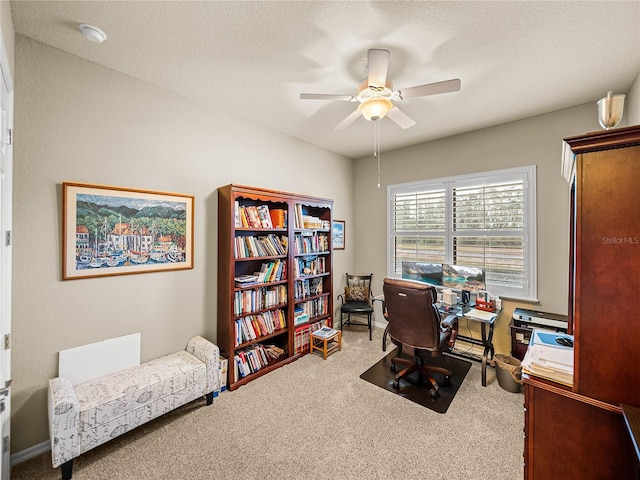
{"x":317,"y":419}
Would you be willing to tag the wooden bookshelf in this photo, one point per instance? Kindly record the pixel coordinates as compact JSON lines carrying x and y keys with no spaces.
{"x":280,"y":244}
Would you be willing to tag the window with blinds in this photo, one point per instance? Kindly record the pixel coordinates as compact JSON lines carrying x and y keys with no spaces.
{"x":485,"y":220}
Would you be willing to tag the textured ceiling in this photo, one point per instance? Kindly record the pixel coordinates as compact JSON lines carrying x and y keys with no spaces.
{"x":253,"y":59}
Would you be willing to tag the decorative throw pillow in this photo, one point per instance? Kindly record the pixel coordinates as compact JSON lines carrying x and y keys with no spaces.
{"x":356,"y":294}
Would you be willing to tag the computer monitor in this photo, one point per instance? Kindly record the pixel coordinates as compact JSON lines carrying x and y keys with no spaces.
{"x":463,"y":278}
{"x":430,"y":273}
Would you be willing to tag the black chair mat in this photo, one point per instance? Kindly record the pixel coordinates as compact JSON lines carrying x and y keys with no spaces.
{"x":381,"y":375}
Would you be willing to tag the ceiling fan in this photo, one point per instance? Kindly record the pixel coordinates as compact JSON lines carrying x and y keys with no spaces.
{"x":376,"y":94}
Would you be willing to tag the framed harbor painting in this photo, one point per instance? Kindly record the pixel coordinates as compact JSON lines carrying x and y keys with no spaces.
{"x":116,"y":231}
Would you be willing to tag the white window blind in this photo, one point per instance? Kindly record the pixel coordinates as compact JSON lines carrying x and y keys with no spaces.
{"x":485,"y":220}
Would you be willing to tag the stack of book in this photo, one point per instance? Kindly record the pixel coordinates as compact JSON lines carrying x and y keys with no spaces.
{"x":263,"y":246}
{"x":308,"y":242}
{"x":550,"y":358}
{"x":262,"y":324}
{"x":250,"y":300}
{"x":251,"y":359}
{"x":252,"y":216}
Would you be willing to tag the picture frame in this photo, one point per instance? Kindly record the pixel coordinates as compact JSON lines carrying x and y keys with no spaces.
{"x":337,"y":233}
{"x":111,"y":230}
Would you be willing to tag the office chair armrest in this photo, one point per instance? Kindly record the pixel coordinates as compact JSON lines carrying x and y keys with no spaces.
{"x":451,"y":323}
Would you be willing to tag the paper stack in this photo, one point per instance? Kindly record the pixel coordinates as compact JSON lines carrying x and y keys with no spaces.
{"x":480,"y":314}
{"x":547,"y":358}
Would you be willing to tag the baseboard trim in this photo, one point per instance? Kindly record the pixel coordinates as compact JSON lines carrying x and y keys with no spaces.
{"x":30,"y":452}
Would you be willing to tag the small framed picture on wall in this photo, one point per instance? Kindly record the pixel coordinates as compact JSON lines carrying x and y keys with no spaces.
{"x":338,"y":234}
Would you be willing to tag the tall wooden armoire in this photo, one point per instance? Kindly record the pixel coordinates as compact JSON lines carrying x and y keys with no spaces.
{"x":579,"y":432}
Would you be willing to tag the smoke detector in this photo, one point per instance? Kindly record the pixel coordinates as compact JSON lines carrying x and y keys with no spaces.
{"x":93,"y":34}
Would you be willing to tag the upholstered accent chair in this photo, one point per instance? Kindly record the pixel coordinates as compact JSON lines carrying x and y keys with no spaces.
{"x":356,"y":300}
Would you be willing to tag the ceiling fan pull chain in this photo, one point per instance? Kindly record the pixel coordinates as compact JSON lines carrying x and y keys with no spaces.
{"x":376,"y":148}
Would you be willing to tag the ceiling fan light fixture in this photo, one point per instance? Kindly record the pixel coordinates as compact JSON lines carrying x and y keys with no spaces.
{"x":375,"y":108}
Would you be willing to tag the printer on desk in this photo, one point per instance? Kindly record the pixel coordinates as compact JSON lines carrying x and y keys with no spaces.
{"x":524,"y":321}
{"x":540,"y":318}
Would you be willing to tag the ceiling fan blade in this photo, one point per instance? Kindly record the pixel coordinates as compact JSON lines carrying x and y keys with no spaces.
{"x":378,"y":67}
{"x":349,"y":120}
{"x":430,"y":89}
{"x":400,"y":117}
{"x":327,"y":96}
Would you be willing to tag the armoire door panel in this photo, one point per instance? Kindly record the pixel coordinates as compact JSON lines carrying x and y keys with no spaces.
{"x":608,"y":281}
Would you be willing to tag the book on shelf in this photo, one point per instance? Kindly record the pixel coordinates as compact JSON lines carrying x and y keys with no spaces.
{"x":278,"y":217}
{"x":310,"y":242}
{"x":300,"y":318}
{"x":314,"y":307}
{"x":251,"y":327}
{"x":246,"y":279}
{"x":251,"y":359}
{"x":272,"y":271}
{"x":309,"y":221}
{"x":307,"y":287}
{"x":273,"y":352}
{"x":253,"y":216}
{"x":265,"y":272}
{"x":301,"y":336}
{"x":236,"y":214}
{"x":299,"y":219}
{"x":309,"y":266}
{"x":223,"y":366}
{"x":250,"y":246}
{"x":264,"y":216}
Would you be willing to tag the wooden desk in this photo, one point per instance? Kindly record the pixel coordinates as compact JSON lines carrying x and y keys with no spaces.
{"x":486,"y":340}
{"x":632,"y":420}
{"x":568,"y":435}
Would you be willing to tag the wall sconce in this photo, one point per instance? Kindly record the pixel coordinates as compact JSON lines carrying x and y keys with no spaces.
{"x":610,"y":110}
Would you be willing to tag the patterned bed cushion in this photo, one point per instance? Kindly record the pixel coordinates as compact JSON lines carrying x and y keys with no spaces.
{"x":109,"y":397}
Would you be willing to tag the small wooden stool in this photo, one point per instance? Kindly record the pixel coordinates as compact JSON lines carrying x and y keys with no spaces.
{"x":326,"y":345}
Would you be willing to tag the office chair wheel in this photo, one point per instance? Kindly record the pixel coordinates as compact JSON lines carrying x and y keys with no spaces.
{"x":392,"y":367}
{"x":447,"y":381}
{"x":434,"y":393}
{"x":396,"y":384}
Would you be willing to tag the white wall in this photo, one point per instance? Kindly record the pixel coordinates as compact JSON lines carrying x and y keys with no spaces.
{"x":77,"y":121}
{"x":632,"y":103}
{"x":533,"y":141}
{"x":8,"y":32}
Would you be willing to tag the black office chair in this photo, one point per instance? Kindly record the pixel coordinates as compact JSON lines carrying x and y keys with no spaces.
{"x":415,"y":324}
{"x":356,"y":300}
